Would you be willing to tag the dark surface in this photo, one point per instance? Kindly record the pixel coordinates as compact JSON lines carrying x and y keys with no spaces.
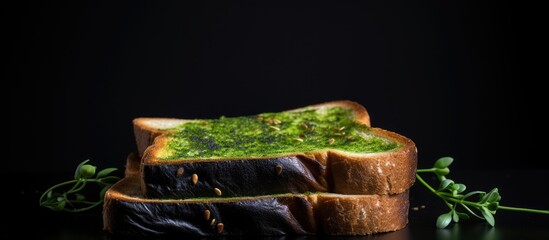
{"x":521,"y":188}
{"x":457,"y":77}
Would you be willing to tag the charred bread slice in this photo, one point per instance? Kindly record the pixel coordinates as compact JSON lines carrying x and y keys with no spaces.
{"x":128,"y":213}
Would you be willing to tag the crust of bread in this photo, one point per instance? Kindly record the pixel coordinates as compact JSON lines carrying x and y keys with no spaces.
{"x":147,"y":129}
{"x":127,"y":213}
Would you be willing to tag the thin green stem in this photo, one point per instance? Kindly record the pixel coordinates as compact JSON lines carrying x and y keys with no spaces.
{"x":470,"y":211}
{"x":426,"y":184}
{"x":433,"y":190}
{"x":426,"y":170}
{"x":523,"y":209}
{"x":80,"y":187}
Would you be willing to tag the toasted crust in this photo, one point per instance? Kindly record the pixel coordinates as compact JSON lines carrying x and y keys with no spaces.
{"x":379,"y":173}
{"x":147,"y":129}
{"x":127,"y":213}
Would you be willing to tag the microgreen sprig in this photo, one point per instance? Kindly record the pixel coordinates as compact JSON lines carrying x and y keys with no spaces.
{"x":454,"y":196}
{"x":73,"y":200}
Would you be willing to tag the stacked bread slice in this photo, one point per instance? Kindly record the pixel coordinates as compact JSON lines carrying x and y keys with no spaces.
{"x":209,"y":177}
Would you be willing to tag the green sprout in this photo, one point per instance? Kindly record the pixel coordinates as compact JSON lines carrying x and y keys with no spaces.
{"x":454,"y":196}
{"x":72,"y":200}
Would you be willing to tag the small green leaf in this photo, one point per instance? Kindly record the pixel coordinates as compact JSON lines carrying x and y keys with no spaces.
{"x":102,"y":193}
{"x":48,"y":195}
{"x":87,"y":171}
{"x":105,"y":172}
{"x":77,"y":171}
{"x":463,"y":215}
{"x":442,"y":171}
{"x":443,"y":220}
{"x":493,"y":206}
{"x":80,"y":196}
{"x":493,"y":196}
{"x":488,"y":216}
{"x":443,"y":162}
{"x":60,"y":203}
{"x":444,"y":184}
{"x":461,"y":187}
{"x":455,"y":216}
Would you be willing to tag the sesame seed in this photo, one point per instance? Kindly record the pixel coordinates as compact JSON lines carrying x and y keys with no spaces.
{"x":219,"y":227}
{"x":350,"y":137}
{"x":276,"y":121}
{"x":422,"y":206}
{"x":217,"y":191}
{"x":212,"y":222}
{"x":331,"y":141}
{"x":195,"y":178}
{"x":180,"y":172}
{"x":278,"y":169}
{"x":207,"y":214}
{"x":275,"y":128}
{"x":415,"y":208}
{"x":299,"y":139}
{"x":303,"y":125}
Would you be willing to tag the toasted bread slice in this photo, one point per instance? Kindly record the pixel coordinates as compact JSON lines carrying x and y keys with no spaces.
{"x":128,"y":213}
{"x":318,"y":170}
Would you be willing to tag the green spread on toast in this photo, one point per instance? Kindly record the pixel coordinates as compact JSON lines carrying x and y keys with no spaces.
{"x":274,"y":134}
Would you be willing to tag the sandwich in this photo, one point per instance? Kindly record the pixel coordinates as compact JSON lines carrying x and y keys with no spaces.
{"x":319,"y":169}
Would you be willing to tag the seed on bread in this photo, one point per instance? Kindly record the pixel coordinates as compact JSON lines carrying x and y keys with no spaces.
{"x":331,"y":141}
{"x":217,"y":191}
{"x":212,"y":222}
{"x":278,"y":169}
{"x":275,"y":128}
{"x":276,"y":121}
{"x":195,"y":178}
{"x":207,"y":214}
{"x":219,"y":227}
{"x":299,"y":139}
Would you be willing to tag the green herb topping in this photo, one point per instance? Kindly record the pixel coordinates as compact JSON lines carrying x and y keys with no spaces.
{"x":274,"y":134}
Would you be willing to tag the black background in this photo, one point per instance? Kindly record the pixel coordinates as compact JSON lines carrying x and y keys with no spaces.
{"x":456,"y":77}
